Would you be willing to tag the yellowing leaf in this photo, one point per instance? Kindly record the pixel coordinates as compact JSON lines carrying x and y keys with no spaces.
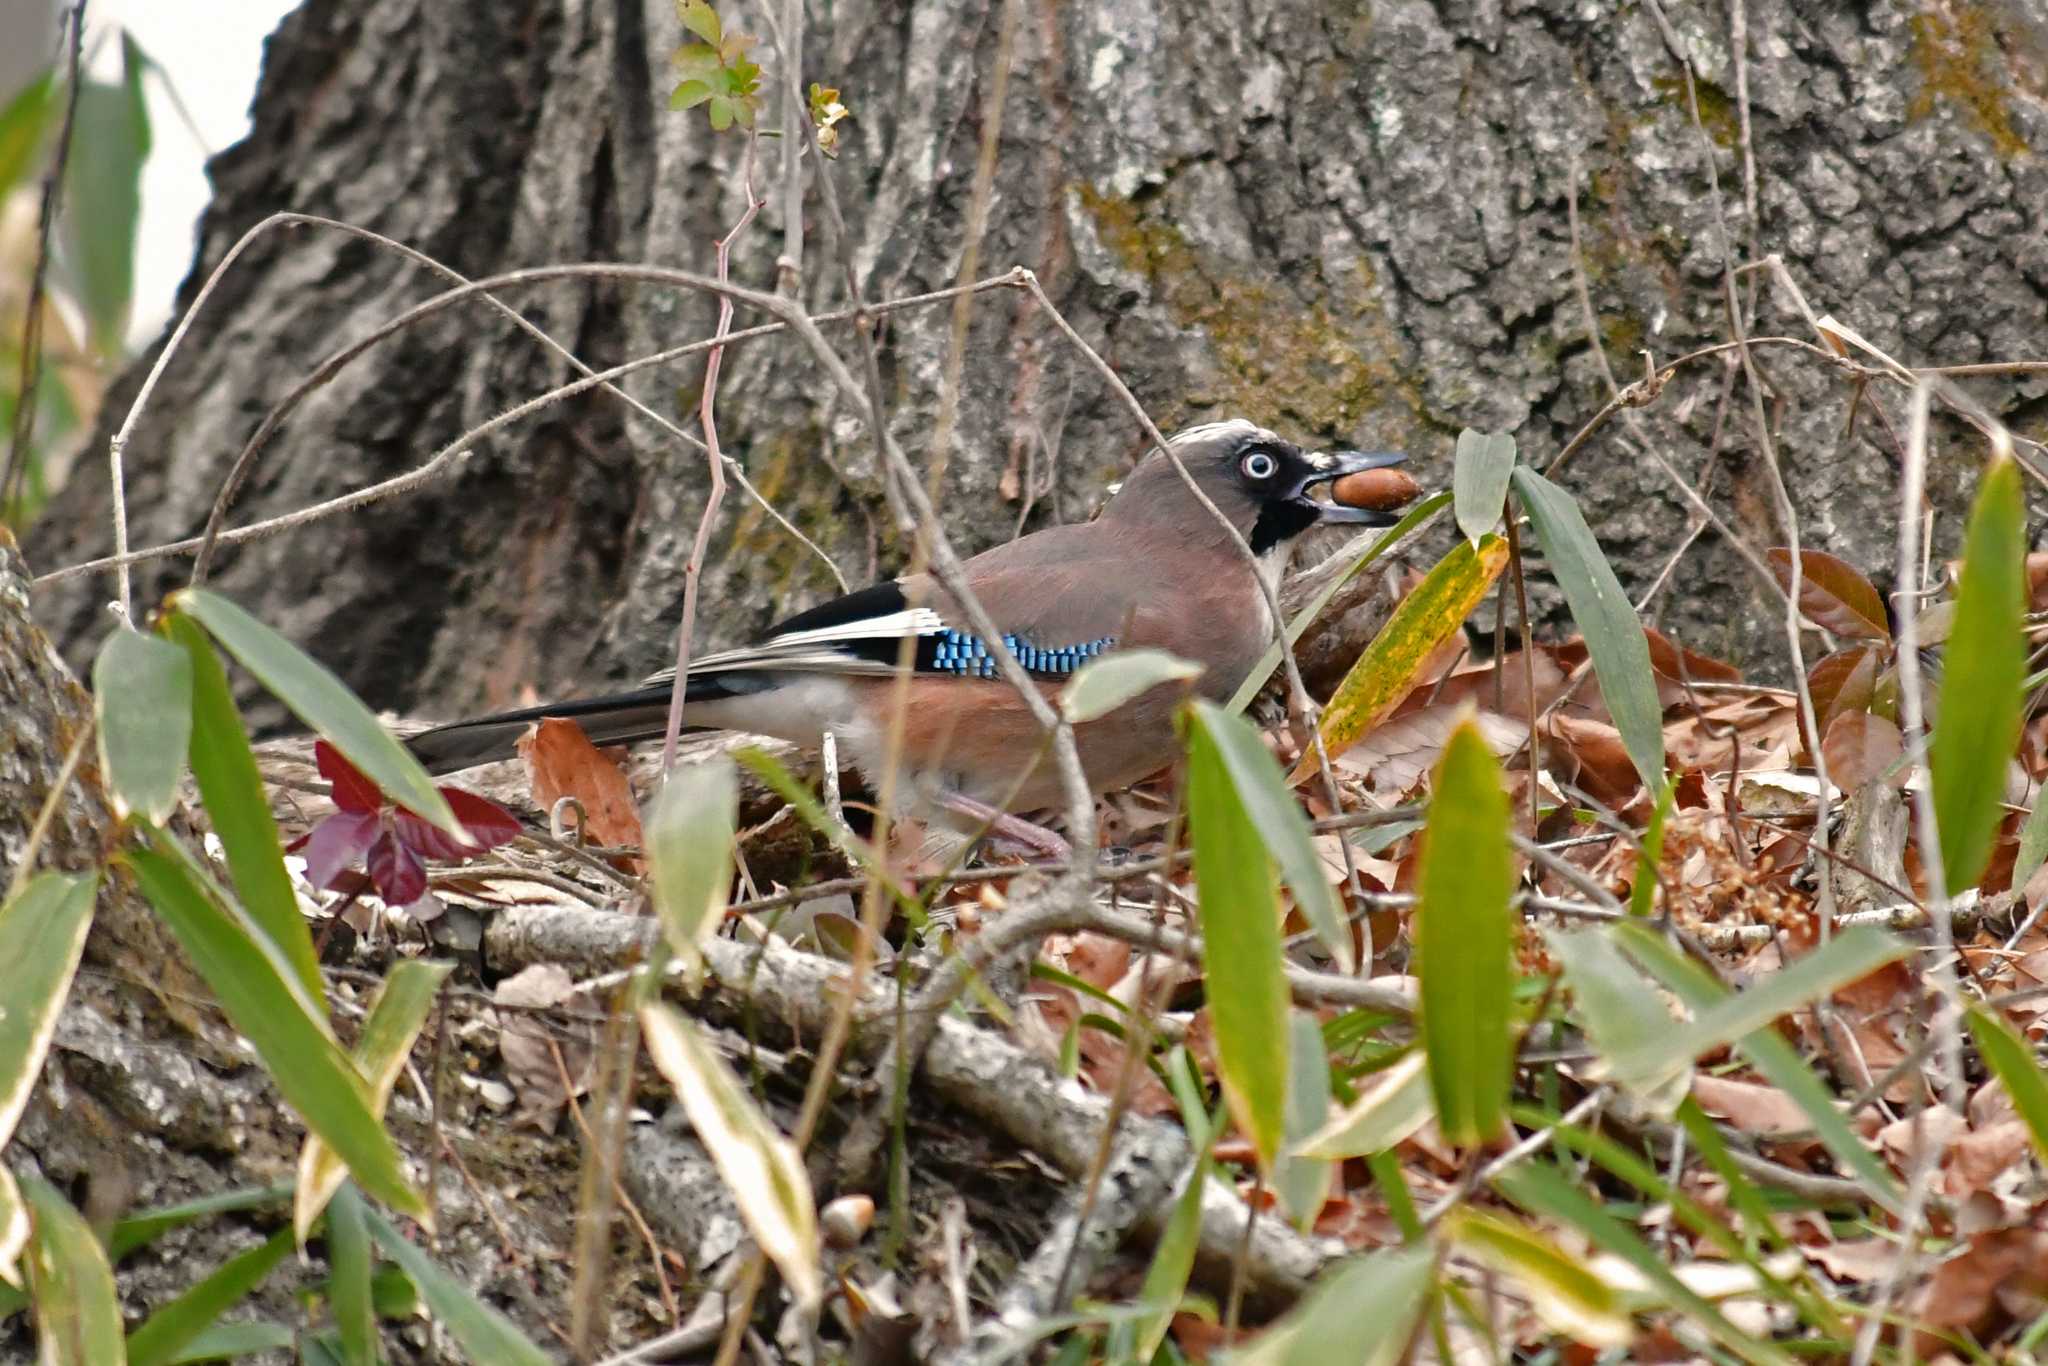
{"x":760,"y":1166}
{"x":1385,"y":673}
{"x":1565,"y":1295}
{"x":1396,"y":1107}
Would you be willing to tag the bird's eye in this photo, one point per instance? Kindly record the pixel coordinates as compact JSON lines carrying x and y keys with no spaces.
{"x":1259,"y":465}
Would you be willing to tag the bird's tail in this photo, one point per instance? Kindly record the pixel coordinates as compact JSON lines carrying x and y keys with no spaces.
{"x":614,"y":719}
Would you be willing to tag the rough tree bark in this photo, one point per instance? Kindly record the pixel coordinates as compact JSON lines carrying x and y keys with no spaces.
{"x":1346,"y":220}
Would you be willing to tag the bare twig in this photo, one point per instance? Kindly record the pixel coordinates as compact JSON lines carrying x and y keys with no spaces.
{"x":707,"y":412}
{"x":1781,"y":495}
{"x":245,"y":462}
{"x":1945,"y":1027}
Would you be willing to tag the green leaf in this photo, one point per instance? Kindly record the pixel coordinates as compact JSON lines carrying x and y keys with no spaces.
{"x":1262,"y":794}
{"x":393,"y":1293}
{"x":1479,"y":480}
{"x":1744,"y":1195}
{"x":721,"y":110}
{"x":1773,"y":1056}
{"x":1618,"y":1007}
{"x":323,"y":702}
{"x":1539,"y":1189}
{"x":159,"y":1339}
{"x":701,"y":19}
{"x":1395,"y":1108}
{"x":1642,"y":893}
{"x":350,"y":1265}
{"x":103,"y":199}
{"x":380,"y":1054}
{"x":1624,"y":1163}
{"x":1981,"y":704}
{"x":264,"y":1002}
{"x":2033,"y":842}
{"x":1385,"y":672}
{"x":42,"y":935}
{"x":689,"y":836}
{"x":1853,"y":953}
{"x":689,"y":95}
{"x":142,"y":696}
{"x":1614,"y":636}
{"x":761,"y":1167}
{"x":481,"y":1331}
{"x":1300,"y":1180}
{"x":25,"y":126}
{"x":1465,"y":940}
{"x":78,"y":1316}
{"x":1102,"y":685}
{"x":236,"y":1338}
{"x":1166,"y":1279}
{"x":2011,"y":1057}
{"x":1269,"y":661}
{"x":1570,"y":1299}
{"x":139,"y":1230}
{"x":231,"y":787}
{"x":1362,"y":1311}
{"x":1242,"y":961}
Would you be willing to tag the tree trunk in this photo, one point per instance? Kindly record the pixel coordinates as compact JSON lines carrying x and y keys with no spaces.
{"x":1348,"y":221}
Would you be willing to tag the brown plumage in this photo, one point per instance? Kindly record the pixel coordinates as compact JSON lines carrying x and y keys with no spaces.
{"x":1153,"y":570}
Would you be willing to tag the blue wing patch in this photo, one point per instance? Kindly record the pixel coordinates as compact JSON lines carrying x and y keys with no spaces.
{"x":962,"y":653}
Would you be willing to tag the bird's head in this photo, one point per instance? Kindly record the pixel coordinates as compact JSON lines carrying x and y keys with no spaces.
{"x":1264,"y":484}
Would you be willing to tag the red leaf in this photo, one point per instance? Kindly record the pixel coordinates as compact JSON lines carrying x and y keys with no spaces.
{"x":352,"y":791}
{"x":1833,"y":595}
{"x":428,"y":841}
{"x":336,"y":843}
{"x":486,"y":822}
{"x":400,"y":876}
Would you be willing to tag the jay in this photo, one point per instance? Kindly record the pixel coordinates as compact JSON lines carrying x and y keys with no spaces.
{"x":1153,"y":570}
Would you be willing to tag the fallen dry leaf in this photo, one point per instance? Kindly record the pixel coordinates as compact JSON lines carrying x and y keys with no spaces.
{"x":561,"y":762}
{"x":1605,"y":769}
{"x":1865,"y":1260}
{"x":1861,"y":748}
{"x":1980,"y":1156}
{"x":1750,"y":1106}
{"x":1998,"y":1277}
{"x":1396,"y":754}
{"x":528,"y":1042}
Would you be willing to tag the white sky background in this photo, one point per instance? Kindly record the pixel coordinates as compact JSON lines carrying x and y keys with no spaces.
{"x":210,"y":49}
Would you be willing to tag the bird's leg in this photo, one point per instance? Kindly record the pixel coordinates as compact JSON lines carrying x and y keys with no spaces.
{"x":1015,"y":830}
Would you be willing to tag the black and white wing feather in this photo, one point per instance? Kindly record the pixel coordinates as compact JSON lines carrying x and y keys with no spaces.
{"x":864,"y":632}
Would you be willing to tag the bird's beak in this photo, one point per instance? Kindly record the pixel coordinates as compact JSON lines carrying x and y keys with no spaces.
{"x":1335,"y":465}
